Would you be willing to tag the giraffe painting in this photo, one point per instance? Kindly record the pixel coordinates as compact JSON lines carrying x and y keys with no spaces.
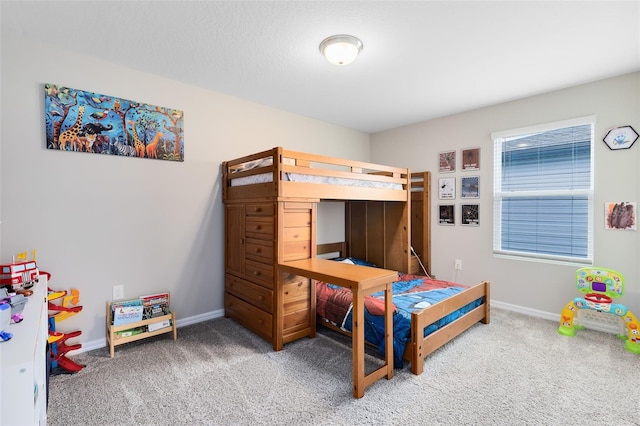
{"x":84,"y":121}
{"x":71,"y":134}
{"x":152,"y":148}
{"x":137,"y":143}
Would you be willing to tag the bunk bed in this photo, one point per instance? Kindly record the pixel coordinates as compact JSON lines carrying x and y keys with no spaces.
{"x":271,"y":202}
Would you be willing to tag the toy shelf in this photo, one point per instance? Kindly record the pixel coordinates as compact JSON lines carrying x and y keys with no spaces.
{"x":115,"y":340}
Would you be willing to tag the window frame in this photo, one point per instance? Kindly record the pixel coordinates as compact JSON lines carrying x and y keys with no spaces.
{"x":498,"y":139}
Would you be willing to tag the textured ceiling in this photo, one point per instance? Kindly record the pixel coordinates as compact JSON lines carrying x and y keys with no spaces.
{"x":421,"y":59}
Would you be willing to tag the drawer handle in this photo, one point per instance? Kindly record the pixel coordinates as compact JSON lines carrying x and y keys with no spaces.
{"x":258,"y":227}
{"x":258,"y":209}
{"x":258,"y":250}
{"x":256,"y":273}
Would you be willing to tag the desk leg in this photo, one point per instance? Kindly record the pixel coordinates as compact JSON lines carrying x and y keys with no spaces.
{"x":357,"y":336}
{"x":388,"y":328}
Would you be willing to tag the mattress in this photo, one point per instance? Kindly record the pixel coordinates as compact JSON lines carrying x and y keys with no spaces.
{"x":298,"y":177}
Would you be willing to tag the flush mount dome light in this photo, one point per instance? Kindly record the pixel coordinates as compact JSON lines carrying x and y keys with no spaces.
{"x":341,"y":49}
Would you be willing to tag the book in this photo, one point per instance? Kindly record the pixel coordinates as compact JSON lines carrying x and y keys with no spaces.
{"x":130,"y":332}
{"x":159,"y":325}
{"x":126,"y":311}
{"x":155,"y":305}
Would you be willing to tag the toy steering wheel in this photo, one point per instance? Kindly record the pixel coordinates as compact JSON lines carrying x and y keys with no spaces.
{"x":598,"y":298}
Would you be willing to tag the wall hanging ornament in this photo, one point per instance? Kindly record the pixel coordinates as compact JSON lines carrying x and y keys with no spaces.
{"x":621,"y":137}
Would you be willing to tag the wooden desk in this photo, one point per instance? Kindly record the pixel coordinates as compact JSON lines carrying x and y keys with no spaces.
{"x":361,"y":280}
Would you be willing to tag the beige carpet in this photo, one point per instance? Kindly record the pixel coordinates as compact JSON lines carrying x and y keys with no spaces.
{"x":515,"y":371}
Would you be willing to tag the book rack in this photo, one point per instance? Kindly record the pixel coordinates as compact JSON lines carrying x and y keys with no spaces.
{"x":114,"y":340}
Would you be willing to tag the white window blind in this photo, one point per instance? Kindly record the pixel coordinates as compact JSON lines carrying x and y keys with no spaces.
{"x":543,"y":191}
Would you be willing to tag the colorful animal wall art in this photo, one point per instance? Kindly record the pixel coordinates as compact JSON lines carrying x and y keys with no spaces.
{"x":81,"y":121}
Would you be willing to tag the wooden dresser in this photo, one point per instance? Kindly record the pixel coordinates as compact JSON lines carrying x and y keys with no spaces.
{"x":258,"y":235}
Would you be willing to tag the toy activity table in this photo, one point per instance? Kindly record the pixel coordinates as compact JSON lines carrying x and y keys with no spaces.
{"x":601,"y":286}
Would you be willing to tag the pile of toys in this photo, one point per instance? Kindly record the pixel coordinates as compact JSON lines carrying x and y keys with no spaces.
{"x":16,"y":280}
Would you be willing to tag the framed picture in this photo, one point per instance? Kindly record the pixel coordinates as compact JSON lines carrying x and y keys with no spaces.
{"x":620,"y":215}
{"x":620,"y":137}
{"x":447,"y":214}
{"x":447,"y":161}
{"x":83,"y":121}
{"x":447,"y":188}
{"x":471,"y":159}
{"x":470,"y":187}
{"x":470,"y":214}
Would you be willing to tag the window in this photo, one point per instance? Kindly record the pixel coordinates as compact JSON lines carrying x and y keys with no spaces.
{"x":543,"y":192}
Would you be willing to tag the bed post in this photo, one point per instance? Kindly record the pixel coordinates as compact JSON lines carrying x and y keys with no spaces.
{"x":487,"y":302}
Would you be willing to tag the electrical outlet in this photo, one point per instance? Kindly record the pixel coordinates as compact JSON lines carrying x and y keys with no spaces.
{"x":458,"y":264}
{"x":118,"y":292}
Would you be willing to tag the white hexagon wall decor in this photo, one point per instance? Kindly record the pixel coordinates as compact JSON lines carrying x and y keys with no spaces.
{"x":620,"y":137}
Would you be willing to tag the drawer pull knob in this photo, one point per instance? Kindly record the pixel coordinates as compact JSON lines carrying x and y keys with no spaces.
{"x":258,"y":250}
{"x":256,"y":273}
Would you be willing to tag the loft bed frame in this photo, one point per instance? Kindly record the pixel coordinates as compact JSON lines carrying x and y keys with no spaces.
{"x":385,"y":204}
{"x":377,"y":197}
{"x":421,"y":346}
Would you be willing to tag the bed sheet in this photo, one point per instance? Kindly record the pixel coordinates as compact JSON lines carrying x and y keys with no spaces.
{"x":410,"y":293}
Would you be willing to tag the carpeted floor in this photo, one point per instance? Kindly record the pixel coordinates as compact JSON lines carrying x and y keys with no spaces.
{"x":515,"y":371}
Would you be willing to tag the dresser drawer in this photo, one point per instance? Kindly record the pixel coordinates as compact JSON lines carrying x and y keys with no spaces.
{"x":290,"y":205}
{"x":296,"y":321}
{"x":301,"y":233}
{"x":249,"y":292}
{"x":248,"y":315}
{"x":259,"y":227}
{"x":292,"y":219}
{"x":259,"y":273}
{"x":296,"y":290}
{"x":296,"y":250}
{"x":259,"y":250}
{"x":260,"y":209}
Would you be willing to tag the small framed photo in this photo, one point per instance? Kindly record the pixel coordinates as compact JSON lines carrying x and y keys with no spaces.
{"x":447,"y":188}
{"x":447,"y":214}
{"x":470,"y":187}
{"x":620,"y":215}
{"x":471,"y":159}
{"x":470,"y":214}
{"x":447,"y":161}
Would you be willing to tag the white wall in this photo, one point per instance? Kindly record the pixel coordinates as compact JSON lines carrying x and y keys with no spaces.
{"x":97,"y":221}
{"x":534,"y":286}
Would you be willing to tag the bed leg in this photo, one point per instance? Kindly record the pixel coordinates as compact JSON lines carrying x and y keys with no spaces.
{"x":487,"y":303}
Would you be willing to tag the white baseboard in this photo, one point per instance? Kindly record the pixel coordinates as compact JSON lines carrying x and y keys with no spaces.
{"x":593,"y":320}
{"x":180,"y":322}
{"x":526,"y":311}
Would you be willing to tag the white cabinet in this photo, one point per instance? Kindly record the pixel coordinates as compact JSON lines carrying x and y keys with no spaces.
{"x":23,"y":363}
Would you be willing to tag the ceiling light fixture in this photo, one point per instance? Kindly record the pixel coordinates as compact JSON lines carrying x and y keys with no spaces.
{"x":341,"y":49}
